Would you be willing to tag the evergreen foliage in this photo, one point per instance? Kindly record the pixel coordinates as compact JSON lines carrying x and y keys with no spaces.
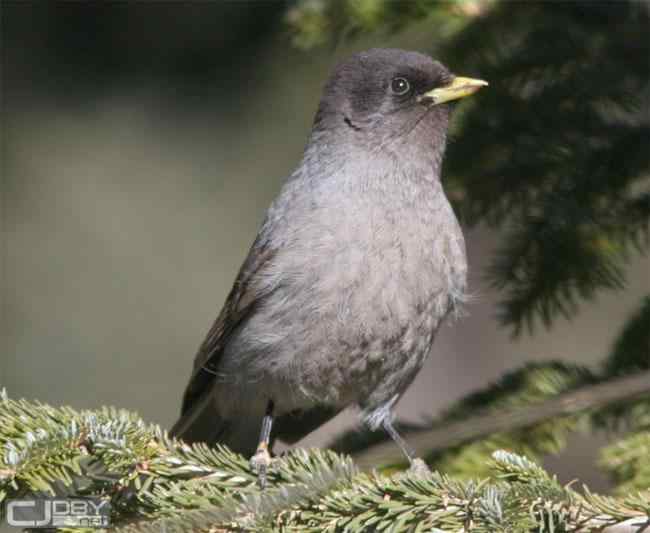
{"x":557,"y":153}
{"x":321,"y":22}
{"x":153,"y":481}
{"x":631,"y":352}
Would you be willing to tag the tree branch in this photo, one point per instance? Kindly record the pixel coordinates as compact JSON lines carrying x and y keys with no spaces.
{"x":589,"y":397}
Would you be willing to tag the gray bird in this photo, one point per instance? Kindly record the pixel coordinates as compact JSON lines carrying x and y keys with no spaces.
{"x":357,"y":264}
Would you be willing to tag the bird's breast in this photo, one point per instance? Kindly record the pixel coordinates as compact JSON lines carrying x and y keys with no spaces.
{"x":381,"y":277}
{"x":361,"y":282}
{"x":387,"y":258}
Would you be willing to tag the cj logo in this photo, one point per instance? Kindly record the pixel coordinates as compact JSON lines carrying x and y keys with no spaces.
{"x":12,"y":512}
{"x":45,"y":512}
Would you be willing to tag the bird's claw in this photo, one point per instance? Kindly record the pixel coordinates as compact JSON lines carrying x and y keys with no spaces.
{"x":419,"y":468}
{"x":260,"y":464}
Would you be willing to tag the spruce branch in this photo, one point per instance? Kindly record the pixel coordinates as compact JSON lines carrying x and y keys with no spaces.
{"x":631,"y":351}
{"x":515,"y":391}
{"x":628,"y":461}
{"x":586,"y":398}
{"x":153,"y":481}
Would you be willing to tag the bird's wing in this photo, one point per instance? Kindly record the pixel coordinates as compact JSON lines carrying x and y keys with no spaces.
{"x":245,"y":295}
{"x":198,"y":421}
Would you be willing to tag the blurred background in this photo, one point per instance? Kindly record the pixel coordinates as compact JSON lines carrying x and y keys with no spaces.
{"x":142,"y":143}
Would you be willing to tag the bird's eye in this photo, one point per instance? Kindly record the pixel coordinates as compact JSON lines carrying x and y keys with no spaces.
{"x":400,"y":86}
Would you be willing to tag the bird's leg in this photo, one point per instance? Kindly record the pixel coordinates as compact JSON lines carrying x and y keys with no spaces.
{"x":418,"y":466}
{"x":261,"y":461}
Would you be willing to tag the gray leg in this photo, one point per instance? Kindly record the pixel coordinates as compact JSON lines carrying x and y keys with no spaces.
{"x":261,"y":461}
{"x":418,"y":466}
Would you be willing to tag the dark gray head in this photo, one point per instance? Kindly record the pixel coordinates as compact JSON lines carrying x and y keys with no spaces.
{"x":384,"y":95}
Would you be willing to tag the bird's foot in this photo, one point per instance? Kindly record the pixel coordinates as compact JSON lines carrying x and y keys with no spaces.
{"x":419,"y":468}
{"x":260,"y":464}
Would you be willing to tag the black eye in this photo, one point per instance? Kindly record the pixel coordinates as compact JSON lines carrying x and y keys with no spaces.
{"x":400,"y":86}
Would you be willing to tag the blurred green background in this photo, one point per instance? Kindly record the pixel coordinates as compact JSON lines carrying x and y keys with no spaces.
{"x":141,"y":145}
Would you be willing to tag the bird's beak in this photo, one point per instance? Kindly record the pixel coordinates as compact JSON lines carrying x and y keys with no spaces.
{"x":459,"y":88}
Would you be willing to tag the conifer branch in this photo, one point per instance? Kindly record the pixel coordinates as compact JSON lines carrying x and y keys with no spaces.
{"x":483,"y":424}
{"x":153,"y":481}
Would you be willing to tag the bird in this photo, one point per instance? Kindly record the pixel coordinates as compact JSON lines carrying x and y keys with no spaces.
{"x":358,"y":262}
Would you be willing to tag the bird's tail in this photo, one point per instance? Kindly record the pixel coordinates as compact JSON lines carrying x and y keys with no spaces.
{"x":200,"y":423}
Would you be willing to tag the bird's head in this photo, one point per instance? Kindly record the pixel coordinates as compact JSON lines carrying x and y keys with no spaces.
{"x":388,"y":97}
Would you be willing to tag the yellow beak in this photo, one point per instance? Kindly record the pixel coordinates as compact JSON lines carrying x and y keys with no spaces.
{"x":459,"y":88}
